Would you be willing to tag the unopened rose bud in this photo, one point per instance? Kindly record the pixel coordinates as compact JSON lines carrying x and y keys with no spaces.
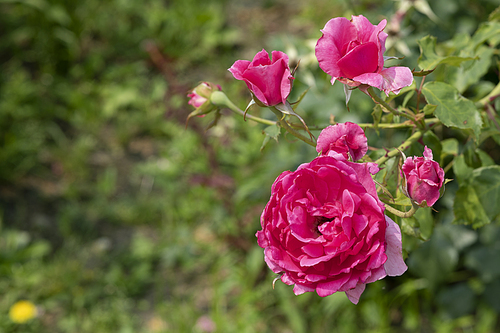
{"x":269,"y":79}
{"x":199,"y":97}
{"x":422,"y":179}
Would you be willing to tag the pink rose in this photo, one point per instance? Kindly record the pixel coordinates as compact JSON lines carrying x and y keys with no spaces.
{"x":343,"y":138}
{"x":324,"y":229}
{"x":353,"y":53}
{"x":268,"y":80}
{"x":422,"y":179}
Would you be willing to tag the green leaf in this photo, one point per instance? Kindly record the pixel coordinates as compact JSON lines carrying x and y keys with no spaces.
{"x":462,"y":171}
{"x":426,"y":222}
{"x":468,"y":209}
{"x":377,"y":116}
{"x":409,"y":226}
{"x":429,"y":109}
{"x":429,"y":59}
{"x":271,"y":132}
{"x":452,"y":109}
{"x":420,"y":225}
{"x":495,"y":15}
{"x":471,"y":71}
{"x":470,"y":155}
{"x":486,"y":182}
{"x":450,"y":147}
{"x":488,"y":31}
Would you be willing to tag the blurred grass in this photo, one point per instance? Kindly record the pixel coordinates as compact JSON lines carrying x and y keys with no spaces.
{"x":115,"y":218}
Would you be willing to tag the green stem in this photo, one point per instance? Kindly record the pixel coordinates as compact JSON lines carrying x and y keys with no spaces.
{"x":380,"y":101}
{"x":405,"y":124}
{"x":495,"y":92}
{"x":414,"y":137}
{"x":399,"y":125}
{"x":400,"y":213}
{"x":286,"y":126}
{"x":220,"y":99}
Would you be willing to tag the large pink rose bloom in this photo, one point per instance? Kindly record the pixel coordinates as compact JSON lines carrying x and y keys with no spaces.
{"x":353,"y":53}
{"x":268,"y":80}
{"x":343,"y":138}
{"x":324,"y":229}
{"x":424,"y":179}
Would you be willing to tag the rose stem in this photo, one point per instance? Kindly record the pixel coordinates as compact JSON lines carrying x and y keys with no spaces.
{"x":488,"y":98}
{"x":220,"y":99}
{"x":405,"y":124}
{"x":287,"y":127}
{"x":400,"y":213}
{"x":376,"y":98}
{"x":414,"y":137}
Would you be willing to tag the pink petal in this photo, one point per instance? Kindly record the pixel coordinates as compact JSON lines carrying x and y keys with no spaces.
{"x":395,"y":264}
{"x":313,"y":250}
{"x":238,"y":68}
{"x":427,"y":153}
{"x":368,"y":32}
{"x":362,"y":59}
{"x":327,"y":288}
{"x":338,"y":32}
{"x":269,"y":80}
{"x":278,"y":55}
{"x":259,"y":94}
{"x":356,"y":141}
{"x":359,"y":223}
{"x":376,"y":275}
{"x":390,"y":79}
{"x":261,"y":59}
{"x":299,"y":289}
{"x":354,"y":294}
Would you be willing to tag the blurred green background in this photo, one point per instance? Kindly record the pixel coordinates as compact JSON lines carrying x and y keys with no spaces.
{"x":116,"y":218}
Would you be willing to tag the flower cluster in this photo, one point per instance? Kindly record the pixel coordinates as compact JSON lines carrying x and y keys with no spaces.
{"x":325,"y":228}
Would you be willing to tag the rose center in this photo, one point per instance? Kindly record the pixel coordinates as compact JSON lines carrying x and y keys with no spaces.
{"x":319,"y":221}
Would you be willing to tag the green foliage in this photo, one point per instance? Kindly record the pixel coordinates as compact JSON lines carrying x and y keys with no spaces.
{"x":451,"y":108}
{"x":429,"y":60}
{"x":114,"y":217}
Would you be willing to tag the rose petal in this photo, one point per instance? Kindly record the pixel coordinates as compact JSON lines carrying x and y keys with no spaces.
{"x":391,"y":79}
{"x":300,"y":289}
{"x":328,"y":288}
{"x":395,"y":264}
{"x":427,"y":153}
{"x":336,"y":33}
{"x":356,"y":141}
{"x":238,"y":68}
{"x":362,"y":59}
{"x":354,"y":294}
{"x":261,"y":59}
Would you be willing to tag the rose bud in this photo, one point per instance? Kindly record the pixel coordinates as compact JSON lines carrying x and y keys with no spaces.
{"x":269,"y":80}
{"x":199,"y":97}
{"x":343,"y":138}
{"x":324,"y":229}
{"x":422,"y":179}
{"x":353,"y":53}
